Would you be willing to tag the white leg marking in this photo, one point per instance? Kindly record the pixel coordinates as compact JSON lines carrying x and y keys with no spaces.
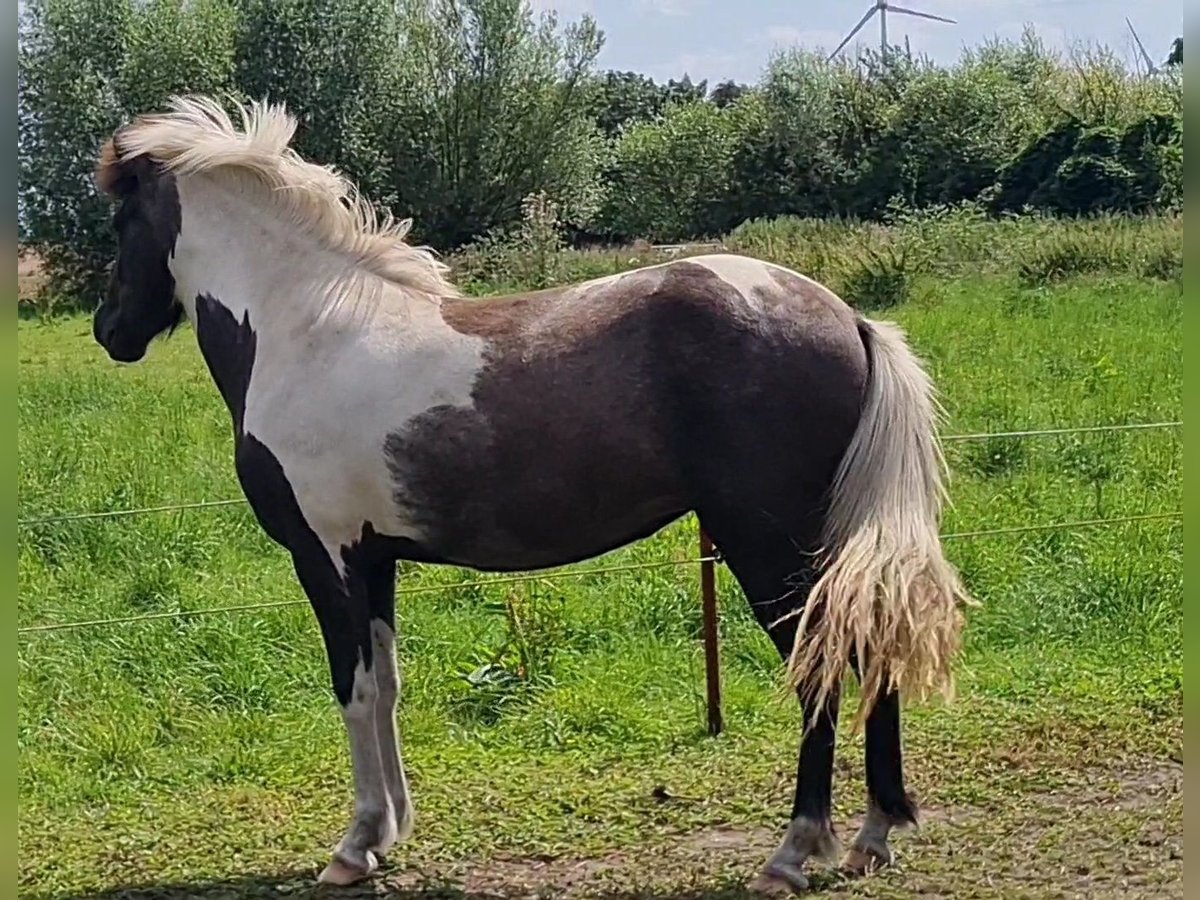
{"x":805,"y":838}
{"x":387,"y":679}
{"x":870,"y":849}
{"x":374,"y":817}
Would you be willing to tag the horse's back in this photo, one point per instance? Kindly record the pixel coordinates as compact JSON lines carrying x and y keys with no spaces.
{"x":762,"y":287}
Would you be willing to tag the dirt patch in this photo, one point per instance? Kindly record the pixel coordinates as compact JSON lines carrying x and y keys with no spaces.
{"x":1101,"y":832}
{"x":1104,"y":834}
{"x":31,"y":273}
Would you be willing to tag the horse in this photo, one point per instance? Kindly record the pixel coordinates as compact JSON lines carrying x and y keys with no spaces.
{"x":379,"y":415}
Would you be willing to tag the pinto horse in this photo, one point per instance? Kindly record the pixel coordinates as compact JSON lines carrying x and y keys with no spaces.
{"x":378,"y":415}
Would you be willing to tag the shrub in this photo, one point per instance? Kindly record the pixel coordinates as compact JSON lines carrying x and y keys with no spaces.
{"x":527,"y":255}
{"x":877,"y":277}
{"x":1149,"y":247}
{"x":670,"y":177}
{"x":455,"y":111}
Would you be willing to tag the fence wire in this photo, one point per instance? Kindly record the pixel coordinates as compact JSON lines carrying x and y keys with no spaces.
{"x":137,"y":511}
{"x":545,"y":575}
{"x":557,"y":575}
{"x":241,"y":501}
{"x":1045,"y":432}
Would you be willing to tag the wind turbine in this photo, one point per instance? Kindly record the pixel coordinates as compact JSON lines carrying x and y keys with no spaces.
{"x":882,"y":7}
{"x":1151,"y":68}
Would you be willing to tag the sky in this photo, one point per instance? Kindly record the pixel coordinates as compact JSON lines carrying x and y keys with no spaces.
{"x":732,"y":39}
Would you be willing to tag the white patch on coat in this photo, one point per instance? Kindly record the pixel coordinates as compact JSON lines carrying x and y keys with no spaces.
{"x":374,"y":825}
{"x":371,"y":800}
{"x":746,"y":275}
{"x":326,"y":390}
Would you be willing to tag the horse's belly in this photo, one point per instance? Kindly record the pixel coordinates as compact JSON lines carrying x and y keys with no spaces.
{"x":525,"y":536}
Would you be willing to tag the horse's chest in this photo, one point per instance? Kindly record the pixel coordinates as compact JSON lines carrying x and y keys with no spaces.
{"x":334,"y":467}
{"x":331,"y":439}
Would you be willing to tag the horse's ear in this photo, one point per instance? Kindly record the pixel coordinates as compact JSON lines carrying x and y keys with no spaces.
{"x":113,"y":176}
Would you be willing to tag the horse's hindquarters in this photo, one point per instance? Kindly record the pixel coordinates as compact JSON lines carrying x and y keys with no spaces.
{"x":766,"y":396}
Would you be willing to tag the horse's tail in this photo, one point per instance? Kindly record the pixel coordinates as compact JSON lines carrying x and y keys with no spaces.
{"x":886,"y":594}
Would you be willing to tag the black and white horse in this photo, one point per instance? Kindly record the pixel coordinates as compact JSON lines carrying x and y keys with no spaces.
{"x":380,"y":416}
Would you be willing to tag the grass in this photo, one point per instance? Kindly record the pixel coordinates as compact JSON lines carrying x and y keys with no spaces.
{"x":204,"y":756}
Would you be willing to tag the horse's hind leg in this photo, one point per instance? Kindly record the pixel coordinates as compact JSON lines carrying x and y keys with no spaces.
{"x":888,"y":804}
{"x":775,"y":573}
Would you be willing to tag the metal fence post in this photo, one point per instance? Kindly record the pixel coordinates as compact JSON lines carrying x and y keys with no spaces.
{"x":712,"y":660}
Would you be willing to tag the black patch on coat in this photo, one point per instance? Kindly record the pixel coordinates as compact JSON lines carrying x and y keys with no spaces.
{"x":229,"y":348}
{"x":599,"y":420}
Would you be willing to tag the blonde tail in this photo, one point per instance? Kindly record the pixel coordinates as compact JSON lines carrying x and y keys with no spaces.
{"x":886,"y":592}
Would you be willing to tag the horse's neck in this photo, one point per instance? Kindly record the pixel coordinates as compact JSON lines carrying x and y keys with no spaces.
{"x":267,"y":292}
{"x":252,"y":262}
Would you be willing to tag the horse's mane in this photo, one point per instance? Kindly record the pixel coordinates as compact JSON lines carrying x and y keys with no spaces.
{"x":196,"y":135}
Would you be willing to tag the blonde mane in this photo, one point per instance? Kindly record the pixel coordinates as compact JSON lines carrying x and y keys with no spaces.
{"x":196,"y":135}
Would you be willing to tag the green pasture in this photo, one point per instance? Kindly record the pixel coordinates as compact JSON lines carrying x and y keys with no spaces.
{"x":204,"y":756}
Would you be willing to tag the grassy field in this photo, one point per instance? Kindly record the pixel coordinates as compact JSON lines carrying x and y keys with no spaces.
{"x":204,"y":757}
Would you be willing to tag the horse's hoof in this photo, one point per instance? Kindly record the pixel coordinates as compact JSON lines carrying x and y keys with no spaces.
{"x":779,"y":881}
{"x":342,"y":871}
{"x":865,"y":860}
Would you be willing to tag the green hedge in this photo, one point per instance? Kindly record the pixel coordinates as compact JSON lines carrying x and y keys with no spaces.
{"x":455,"y":112}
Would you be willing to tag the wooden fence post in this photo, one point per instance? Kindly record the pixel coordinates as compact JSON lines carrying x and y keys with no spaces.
{"x":712,"y":659}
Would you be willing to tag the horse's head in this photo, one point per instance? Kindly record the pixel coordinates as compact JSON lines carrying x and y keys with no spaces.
{"x":140,"y":302}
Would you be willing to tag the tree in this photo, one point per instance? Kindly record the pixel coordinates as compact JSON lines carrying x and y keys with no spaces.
{"x":496,"y":108}
{"x":85,"y":66}
{"x":336,"y":64}
{"x":726,"y":93}
{"x":685,"y":90}
{"x":955,"y":128}
{"x":620,"y":99}
{"x":671,"y":178}
{"x":1175,"y":57}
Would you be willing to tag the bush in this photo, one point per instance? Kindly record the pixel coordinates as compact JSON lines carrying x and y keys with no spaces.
{"x":1151,"y":248}
{"x":876,"y":279}
{"x":526,"y":256}
{"x":867,"y":261}
{"x":669,"y":178}
{"x":452,"y":113}
{"x":455,"y":111}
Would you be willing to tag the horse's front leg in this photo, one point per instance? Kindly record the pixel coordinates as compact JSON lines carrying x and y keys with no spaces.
{"x":381,"y":594}
{"x":343,"y":609}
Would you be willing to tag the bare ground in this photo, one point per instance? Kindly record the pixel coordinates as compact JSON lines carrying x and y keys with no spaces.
{"x":1104,"y":834}
{"x":30,"y":274}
